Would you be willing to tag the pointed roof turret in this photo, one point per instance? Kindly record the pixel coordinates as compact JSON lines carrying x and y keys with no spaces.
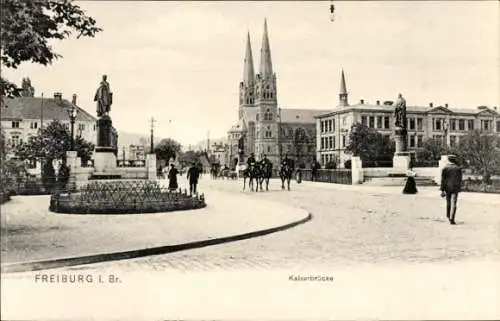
{"x":266,"y":66}
{"x":248,"y":71}
{"x":343,"y":89}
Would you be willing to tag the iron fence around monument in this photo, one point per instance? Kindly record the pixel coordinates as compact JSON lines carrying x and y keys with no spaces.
{"x":335,"y":176}
{"x":124,"y":197}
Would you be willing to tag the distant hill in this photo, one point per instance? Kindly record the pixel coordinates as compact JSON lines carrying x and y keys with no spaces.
{"x":203,"y":144}
{"x":126,"y":139}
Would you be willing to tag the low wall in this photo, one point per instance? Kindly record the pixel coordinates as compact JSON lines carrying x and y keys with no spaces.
{"x":426,"y":171}
{"x":384,"y":171}
{"x":376,"y":171}
{"x":133,"y":172}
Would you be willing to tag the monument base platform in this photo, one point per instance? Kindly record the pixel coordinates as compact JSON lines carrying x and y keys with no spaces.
{"x":104,"y":160}
{"x":401,"y":163}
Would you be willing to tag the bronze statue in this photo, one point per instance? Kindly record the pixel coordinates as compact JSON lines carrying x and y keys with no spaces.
{"x":104,"y":98}
{"x":400,"y":112}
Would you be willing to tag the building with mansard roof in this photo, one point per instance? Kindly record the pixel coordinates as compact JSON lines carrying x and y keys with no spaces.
{"x":262,"y":127}
{"x":424,"y":122}
{"x":22,"y":117}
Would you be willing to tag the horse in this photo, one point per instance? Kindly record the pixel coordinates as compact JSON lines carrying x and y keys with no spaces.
{"x":286,"y":173}
{"x":266,"y":173}
{"x":214,"y":170}
{"x":252,"y":173}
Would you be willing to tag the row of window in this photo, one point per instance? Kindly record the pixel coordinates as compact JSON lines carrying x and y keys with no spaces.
{"x":329,"y":142}
{"x":376,"y":121}
{"x":463,"y":124}
{"x":34,"y":125}
{"x":327,"y":126}
{"x":327,"y":158}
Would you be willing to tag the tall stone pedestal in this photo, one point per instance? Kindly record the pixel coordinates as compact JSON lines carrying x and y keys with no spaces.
{"x":104,"y":156}
{"x":401,"y":159}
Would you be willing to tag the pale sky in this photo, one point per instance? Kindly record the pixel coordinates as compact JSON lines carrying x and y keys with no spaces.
{"x":183,"y":61}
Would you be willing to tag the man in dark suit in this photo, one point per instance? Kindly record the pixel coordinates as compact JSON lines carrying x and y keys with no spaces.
{"x":193,"y":175}
{"x":451,"y":183}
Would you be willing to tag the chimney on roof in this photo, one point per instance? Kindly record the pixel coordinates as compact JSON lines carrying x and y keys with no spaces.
{"x":361,"y":101}
{"x":495,"y":107}
{"x":431,"y":104}
{"x":378,"y":102}
{"x":446,"y":105}
{"x":58,"y":97}
{"x":74,"y":100}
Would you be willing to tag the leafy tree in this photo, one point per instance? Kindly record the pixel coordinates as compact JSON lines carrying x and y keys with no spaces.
{"x":28,"y":26}
{"x":167,"y":149}
{"x":52,"y":142}
{"x":300,"y":140}
{"x":431,"y":150}
{"x":481,"y":153}
{"x":188,"y":157}
{"x":369,"y":145}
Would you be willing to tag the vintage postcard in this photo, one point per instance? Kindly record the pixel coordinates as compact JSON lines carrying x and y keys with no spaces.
{"x":250,"y":160}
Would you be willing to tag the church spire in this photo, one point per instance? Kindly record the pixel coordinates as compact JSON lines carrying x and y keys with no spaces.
{"x":266,"y":66}
{"x":248,"y":71}
{"x":343,"y":91}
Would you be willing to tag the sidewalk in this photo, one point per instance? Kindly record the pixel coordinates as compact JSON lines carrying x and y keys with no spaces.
{"x":30,"y":232}
{"x":425,"y":191}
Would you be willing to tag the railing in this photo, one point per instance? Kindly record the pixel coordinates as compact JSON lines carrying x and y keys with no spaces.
{"x":33,"y":185}
{"x":336,"y":176}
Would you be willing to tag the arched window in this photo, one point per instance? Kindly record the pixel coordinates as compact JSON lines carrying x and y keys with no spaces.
{"x":257,"y":117}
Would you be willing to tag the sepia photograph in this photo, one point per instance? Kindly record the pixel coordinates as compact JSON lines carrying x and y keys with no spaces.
{"x":250,"y":160}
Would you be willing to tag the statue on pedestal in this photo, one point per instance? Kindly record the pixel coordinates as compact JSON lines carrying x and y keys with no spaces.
{"x":400,"y":113}
{"x":103,"y":97}
{"x":400,"y":125}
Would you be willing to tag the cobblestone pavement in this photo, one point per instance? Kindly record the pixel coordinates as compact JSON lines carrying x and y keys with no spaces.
{"x":348,"y":228}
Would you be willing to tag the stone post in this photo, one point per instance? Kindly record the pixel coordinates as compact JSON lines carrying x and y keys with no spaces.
{"x":151,"y":166}
{"x":73,"y":162}
{"x":357,"y":170}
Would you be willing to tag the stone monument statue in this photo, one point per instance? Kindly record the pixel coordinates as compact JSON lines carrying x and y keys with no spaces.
{"x":400,"y":113}
{"x":401,"y":158}
{"x":107,"y":138}
{"x":103,"y":97}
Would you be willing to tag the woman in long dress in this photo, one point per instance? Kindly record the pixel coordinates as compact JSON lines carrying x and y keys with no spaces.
{"x":172,"y":178}
{"x":411,"y":185}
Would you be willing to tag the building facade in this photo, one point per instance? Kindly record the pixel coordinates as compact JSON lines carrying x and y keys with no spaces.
{"x":22,"y":117}
{"x":424,"y":122}
{"x":263,"y":128}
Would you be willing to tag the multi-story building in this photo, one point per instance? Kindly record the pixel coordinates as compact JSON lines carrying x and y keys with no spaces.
{"x":262,"y":127}
{"x":23,"y":116}
{"x":424,"y":122}
{"x":218,"y":151}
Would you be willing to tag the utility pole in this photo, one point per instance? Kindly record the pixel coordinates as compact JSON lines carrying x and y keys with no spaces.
{"x":208,"y":142}
{"x":152,"y":135}
{"x":41,"y":114}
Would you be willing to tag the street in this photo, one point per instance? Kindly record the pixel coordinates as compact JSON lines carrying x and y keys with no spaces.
{"x":348,"y":228}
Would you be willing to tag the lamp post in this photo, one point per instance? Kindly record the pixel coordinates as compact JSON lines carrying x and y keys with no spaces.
{"x":445,"y":130}
{"x":72,"y":113}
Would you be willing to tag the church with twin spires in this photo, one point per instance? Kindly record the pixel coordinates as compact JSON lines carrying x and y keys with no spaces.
{"x":263,"y":128}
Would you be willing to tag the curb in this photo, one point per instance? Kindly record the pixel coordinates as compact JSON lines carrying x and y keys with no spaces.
{"x":116,"y":256}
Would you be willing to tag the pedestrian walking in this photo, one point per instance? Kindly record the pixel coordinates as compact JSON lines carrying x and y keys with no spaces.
{"x":411,"y":184}
{"x":193,"y":175}
{"x":172,"y":178}
{"x":451,"y":184}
